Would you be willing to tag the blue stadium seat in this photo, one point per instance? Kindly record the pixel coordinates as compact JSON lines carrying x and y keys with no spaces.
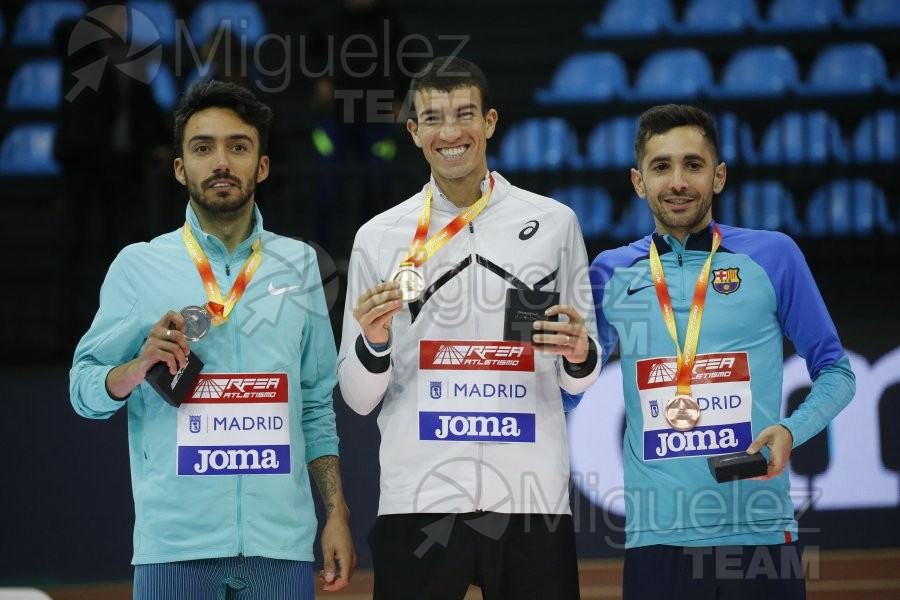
{"x":758,"y":72}
{"x":848,"y":207}
{"x":160,"y":23}
{"x":244,"y":17}
{"x":852,"y":68}
{"x":611,"y":143}
{"x":874,"y":14}
{"x":586,"y":77}
{"x":38,"y":19}
{"x":27,"y":151}
{"x":676,"y":75}
{"x":631,"y":18}
{"x":591,"y":204}
{"x":803,"y":138}
{"x":636,"y":221}
{"x":803,"y":15}
{"x":768,"y":205}
{"x":877,"y":138}
{"x":36,"y":85}
{"x":735,"y":140}
{"x":540,"y":144}
{"x":715,"y":17}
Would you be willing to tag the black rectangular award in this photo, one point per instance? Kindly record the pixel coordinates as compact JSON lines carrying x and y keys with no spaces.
{"x":737,"y":465}
{"x":174,"y":388}
{"x":523,"y":308}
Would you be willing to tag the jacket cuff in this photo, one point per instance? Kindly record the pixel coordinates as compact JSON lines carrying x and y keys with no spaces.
{"x":374,"y":362}
{"x":587,"y":367}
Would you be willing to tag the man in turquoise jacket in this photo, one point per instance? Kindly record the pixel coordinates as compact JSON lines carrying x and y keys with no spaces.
{"x":222,"y":498}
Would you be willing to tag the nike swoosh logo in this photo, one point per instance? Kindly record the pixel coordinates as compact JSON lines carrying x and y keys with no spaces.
{"x":277,"y":291}
{"x":632,"y":291}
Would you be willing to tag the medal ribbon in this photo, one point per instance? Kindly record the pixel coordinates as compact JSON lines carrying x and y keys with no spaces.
{"x":685,"y":359}
{"x":420,"y":250}
{"x":219,"y":309}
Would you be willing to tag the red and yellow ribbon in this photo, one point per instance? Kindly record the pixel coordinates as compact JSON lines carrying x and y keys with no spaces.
{"x":420,"y":250}
{"x":692,"y":335}
{"x":220,"y":309}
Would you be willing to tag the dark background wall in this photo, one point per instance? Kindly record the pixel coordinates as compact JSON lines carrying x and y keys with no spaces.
{"x":65,"y":504}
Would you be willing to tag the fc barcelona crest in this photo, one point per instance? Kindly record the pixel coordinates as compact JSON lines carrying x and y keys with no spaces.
{"x":654,"y":408}
{"x":435,"y":388}
{"x":726,"y":281}
{"x":195,"y":424}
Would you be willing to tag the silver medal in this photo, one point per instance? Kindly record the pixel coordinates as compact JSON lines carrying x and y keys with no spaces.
{"x":196,"y":322}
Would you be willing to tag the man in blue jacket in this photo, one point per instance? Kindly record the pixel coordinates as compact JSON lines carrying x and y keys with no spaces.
{"x":695,"y":392}
{"x":221,"y":490}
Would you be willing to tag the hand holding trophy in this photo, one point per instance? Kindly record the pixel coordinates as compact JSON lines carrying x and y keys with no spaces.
{"x":174,"y":388}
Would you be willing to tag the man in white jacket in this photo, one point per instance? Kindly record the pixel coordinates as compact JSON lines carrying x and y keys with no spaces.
{"x":443,"y":328}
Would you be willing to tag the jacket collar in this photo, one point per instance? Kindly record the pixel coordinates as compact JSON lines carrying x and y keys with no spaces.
{"x":700,"y":241}
{"x":441,"y":203}
{"x":212,"y":246}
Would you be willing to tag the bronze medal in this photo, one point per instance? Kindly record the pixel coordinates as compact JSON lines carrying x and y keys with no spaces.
{"x":682,"y":412}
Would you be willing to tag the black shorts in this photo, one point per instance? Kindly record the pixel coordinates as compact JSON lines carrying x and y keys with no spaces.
{"x":714,"y":573}
{"x":510,"y":556}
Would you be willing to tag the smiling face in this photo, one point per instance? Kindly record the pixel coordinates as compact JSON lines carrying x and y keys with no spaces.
{"x":678,"y":177}
{"x":452,"y":130}
{"x":221,"y":164}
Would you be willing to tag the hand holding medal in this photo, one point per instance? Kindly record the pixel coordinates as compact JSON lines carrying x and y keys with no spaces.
{"x":376,"y":308}
{"x":172,"y":333}
{"x":174,"y":369}
{"x":166,"y":343}
{"x":175,"y":330}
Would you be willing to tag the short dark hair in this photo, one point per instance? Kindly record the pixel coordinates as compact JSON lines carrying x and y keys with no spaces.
{"x":447,"y":73}
{"x":661,"y":119}
{"x":223,"y":94}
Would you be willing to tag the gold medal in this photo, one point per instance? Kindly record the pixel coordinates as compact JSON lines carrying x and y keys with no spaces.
{"x":682,"y":412}
{"x":411,"y":280}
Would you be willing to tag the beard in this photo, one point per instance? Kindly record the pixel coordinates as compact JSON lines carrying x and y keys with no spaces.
{"x":221,"y":203}
{"x":689,"y":220}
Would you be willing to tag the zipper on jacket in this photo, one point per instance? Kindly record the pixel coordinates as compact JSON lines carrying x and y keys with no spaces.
{"x":473,"y":296}
{"x":228,"y":269}
{"x":239,"y":479}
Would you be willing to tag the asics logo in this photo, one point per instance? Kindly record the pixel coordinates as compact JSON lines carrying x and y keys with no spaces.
{"x":530,"y":229}
{"x":277,"y":291}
